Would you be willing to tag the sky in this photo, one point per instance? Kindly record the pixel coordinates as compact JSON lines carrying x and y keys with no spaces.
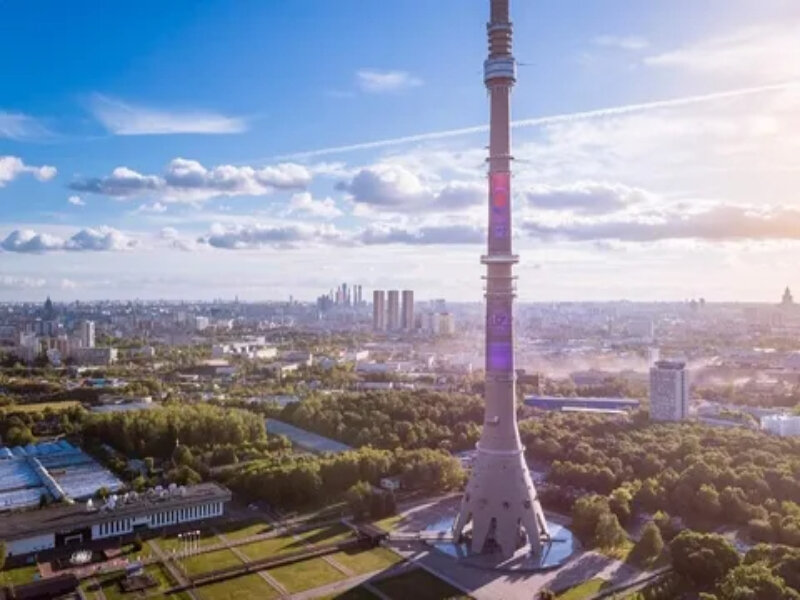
{"x":265,"y":148}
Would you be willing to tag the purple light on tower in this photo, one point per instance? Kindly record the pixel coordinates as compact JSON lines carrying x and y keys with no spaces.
{"x":500,"y":510}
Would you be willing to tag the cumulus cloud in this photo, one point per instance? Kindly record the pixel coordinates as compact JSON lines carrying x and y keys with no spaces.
{"x":248,"y":237}
{"x":375,"y":81}
{"x":304,"y":203}
{"x":587,"y":197}
{"x":720,"y":223}
{"x":76,"y":201}
{"x":11,"y":167}
{"x":189,"y":181}
{"x":122,"y":118}
{"x":394,"y":188}
{"x":426,"y":235}
{"x":88,"y":239}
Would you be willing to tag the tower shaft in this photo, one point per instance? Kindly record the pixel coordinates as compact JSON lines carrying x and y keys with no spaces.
{"x":500,"y":500}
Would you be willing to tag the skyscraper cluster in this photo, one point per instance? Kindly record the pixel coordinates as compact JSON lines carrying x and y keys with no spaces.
{"x":389,"y":314}
{"x":341,"y":296}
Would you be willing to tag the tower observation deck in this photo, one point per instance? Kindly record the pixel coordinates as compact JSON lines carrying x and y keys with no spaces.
{"x":500,"y":510}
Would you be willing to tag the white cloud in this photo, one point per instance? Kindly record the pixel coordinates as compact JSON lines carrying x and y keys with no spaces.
{"x":76,"y":201}
{"x":303,"y":203}
{"x":103,"y":238}
{"x":16,"y":126}
{"x":11,"y":167}
{"x":427,"y":235}
{"x":587,"y":197}
{"x":720,"y":223}
{"x":10,"y":282}
{"x":599,"y":113}
{"x":189,"y":181}
{"x":391,"y":187}
{"x":121,"y":118}
{"x":254,"y":236}
{"x":154,"y":208}
{"x":375,"y":81}
{"x":626,"y":42}
{"x":756,"y":54}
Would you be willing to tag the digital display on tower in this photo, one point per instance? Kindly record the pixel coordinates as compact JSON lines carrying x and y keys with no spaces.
{"x":499,"y":357}
{"x":500,"y":211}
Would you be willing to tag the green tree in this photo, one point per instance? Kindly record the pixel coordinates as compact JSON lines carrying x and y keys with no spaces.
{"x":609,"y":533}
{"x":650,"y":545}
{"x":754,"y":582}
{"x":702,"y":558}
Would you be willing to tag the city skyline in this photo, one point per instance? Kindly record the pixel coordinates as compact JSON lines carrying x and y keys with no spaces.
{"x":654,"y":151}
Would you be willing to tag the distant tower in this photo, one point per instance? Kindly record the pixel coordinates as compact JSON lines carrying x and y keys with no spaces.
{"x":379,"y":310}
{"x":787,"y":299}
{"x":407,"y":311}
{"x":669,"y":391}
{"x":49,"y":310}
{"x":393,"y":310}
{"x":500,"y":500}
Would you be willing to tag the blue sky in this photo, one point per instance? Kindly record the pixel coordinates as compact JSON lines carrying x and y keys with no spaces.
{"x":172,"y":149}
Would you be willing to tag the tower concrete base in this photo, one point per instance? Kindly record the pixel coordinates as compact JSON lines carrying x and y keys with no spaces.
{"x":501,"y":505}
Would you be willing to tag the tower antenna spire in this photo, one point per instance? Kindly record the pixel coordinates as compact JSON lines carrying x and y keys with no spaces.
{"x":500,"y":501}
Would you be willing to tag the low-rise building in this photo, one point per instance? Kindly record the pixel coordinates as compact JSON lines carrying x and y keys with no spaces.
{"x":782,"y":425}
{"x":65,"y":525}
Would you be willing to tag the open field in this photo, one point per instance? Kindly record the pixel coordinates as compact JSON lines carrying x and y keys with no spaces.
{"x":19,"y":575}
{"x":240,"y":531}
{"x":287,"y":543}
{"x":306,"y":575}
{"x":210,"y":561}
{"x":249,"y":587}
{"x":366,"y":561}
{"x":419,"y":585}
{"x":584,"y":590}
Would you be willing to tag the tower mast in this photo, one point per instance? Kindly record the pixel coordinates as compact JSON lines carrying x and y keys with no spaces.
{"x":500,"y":500}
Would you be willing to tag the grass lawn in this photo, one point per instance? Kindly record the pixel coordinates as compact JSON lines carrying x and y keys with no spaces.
{"x":325,"y":535}
{"x":240,"y":531}
{"x":356,"y":593}
{"x":389,"y":523}
{"x":366,"y":561}
{"x":19,"y":575}
{"x":583,"y":590}
{"x":419,"y":585}
{"x":131,"y":554}
{"x":269,"y":547}
{"x":305,"y":575}
{"x":210,"y":561}
{"x":249,"y":587}
{"x":168,"y":544}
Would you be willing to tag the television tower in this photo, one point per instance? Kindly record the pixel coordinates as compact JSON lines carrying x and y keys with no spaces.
{"x":500,"y":500}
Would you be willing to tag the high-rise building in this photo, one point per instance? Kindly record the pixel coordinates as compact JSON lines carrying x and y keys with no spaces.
{"x":407,"y":315}
{"x":669,"y":391}
{"x":87,"y":334}
{"x":393,"y":310}
{"x":500,"y":501}
{"x":379,"y":310}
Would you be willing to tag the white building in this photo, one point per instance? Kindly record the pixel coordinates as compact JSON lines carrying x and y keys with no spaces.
{"x":201,"y":323}
{"x":669,"y":391}
{"x":87,"y":334}
{"x":63,"y":525}
{"x":782,"y":425}
{"x":250,"y":348}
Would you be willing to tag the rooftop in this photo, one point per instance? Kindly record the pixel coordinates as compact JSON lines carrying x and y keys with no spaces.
{"x":68,"y":517}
